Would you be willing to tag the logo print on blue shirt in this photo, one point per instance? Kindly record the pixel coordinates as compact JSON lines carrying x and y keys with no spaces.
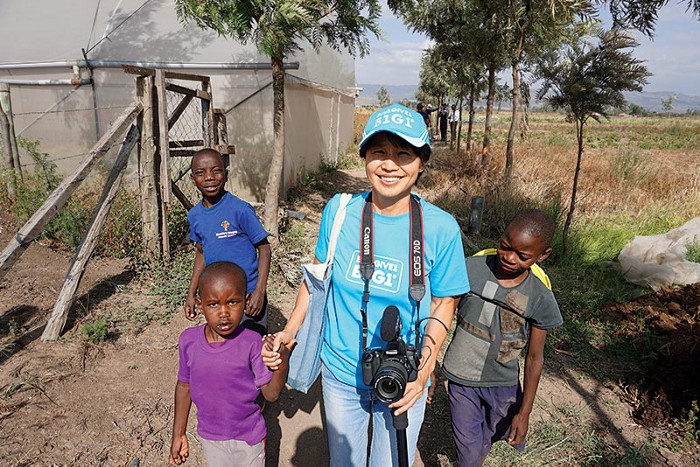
{"x":387,"y":272}
{"x":225,"y":234}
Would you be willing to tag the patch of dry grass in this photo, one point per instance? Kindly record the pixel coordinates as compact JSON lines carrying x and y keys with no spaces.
{"x":618,"y":176}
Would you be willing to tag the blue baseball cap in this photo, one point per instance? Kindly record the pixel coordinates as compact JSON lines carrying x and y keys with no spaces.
{"x":400,"y":120}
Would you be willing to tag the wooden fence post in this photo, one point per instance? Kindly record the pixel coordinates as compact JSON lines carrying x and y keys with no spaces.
{"x":476,"y":214}
{"x":208,"y":130}
{"x":12,"y":150}
{"x":147,"y":169}
{"x":60,"y":195}
{"x":59,"y":315}
{"x":164,"y":183}
{"x":6,"y":155}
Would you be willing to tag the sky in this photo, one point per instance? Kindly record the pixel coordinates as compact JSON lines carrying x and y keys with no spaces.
{"x":673,"y":56}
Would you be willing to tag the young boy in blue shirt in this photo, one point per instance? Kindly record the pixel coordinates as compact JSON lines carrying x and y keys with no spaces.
{"x":507,"y":309}
{"x":226,"y":228}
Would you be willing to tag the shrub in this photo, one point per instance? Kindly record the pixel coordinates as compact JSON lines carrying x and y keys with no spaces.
{"x":693,"y":252}
{"x":95,"y":332}
{"x":67,"y":228}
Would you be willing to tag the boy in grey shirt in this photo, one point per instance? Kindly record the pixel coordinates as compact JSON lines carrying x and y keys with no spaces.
{"x":508,"y":308}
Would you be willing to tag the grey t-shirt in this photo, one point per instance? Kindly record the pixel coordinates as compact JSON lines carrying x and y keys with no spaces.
{"x":490,"y":334}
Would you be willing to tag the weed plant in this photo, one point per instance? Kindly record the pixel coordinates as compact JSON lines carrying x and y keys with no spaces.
{"x":170,"y":282}
{"x":121,"y":236}
{"x":96,"y":332}
{"x":693,"y":250}
{"x":350,"y":159}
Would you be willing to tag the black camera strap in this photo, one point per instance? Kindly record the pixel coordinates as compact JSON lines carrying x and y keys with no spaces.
{"x":416,"y":260}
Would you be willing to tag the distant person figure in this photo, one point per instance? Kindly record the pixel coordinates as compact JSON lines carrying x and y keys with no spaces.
{"x":222,"y":372}
{"x":442,"y":117}
{"x":226,"y":228}
{"x":508,"y":308}
{"x":425,"y":113}
{"x":454,"y":121}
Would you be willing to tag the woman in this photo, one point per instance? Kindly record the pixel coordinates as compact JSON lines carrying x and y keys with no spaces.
{"x":395,"y":147}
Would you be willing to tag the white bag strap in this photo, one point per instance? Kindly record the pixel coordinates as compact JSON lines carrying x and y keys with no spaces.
{"x":337,"y":225}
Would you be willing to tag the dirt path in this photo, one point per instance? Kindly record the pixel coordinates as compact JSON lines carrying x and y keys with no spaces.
{"x":75,"y":403}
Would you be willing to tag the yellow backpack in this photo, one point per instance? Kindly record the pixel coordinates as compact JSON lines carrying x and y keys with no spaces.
{"x":535,"y":268}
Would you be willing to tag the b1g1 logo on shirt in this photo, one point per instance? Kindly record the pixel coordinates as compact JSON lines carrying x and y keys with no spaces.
{"x":387,"y":272}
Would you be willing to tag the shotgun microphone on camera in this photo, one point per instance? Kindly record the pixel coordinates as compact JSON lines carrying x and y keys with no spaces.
{"x":391,"y":324}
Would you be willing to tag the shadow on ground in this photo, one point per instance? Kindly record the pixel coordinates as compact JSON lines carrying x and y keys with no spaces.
{"x":23,"y":324}
{"x":311,"y":447}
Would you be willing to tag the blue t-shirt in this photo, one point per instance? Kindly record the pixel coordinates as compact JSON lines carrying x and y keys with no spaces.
{"x":228,"y":231}
{"x":446,"y":276}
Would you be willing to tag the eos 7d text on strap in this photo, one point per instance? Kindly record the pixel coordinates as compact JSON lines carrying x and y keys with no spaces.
{"x":416,"y":259}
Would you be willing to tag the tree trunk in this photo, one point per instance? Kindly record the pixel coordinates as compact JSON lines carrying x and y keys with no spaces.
{"x":6,"y":104}
{"x":489,"y":111}
{"x":459,"y":122}
{"x":274,"y":178}
{"x":8,"y":161}
{"x":513,"y":125}
{"x":572,"y":205}
{"x":470,"y":125}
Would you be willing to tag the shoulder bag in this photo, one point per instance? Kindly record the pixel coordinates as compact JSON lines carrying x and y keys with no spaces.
{"x":305,"y":359}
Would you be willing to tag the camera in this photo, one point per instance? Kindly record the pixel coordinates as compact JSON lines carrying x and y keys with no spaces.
{"x":388,"y":370}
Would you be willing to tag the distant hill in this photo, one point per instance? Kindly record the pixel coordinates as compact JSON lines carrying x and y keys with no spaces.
{"x":368,"y":96}
{"x":649,"y":100}
{"x":652,"y":100}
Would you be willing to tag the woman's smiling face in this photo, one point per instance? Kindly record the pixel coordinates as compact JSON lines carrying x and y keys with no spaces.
{"x":392,"y":171}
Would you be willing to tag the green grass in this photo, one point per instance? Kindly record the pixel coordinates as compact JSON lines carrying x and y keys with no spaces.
{"x":693,"y":250}
{"x":96,"y":332}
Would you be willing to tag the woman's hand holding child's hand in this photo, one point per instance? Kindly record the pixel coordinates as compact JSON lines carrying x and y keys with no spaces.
{"x":276,"y":348}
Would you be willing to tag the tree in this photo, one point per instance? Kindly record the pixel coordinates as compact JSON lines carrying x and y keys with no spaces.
{"x":278,"y":28}
{"x":475,"y":26}
{"x":383,"y":97}
{"x":587,"y":81}
{"x":668,"y":103}
{"x":641,"y":14}
{"x":533,"y":26}
{"x":637,"y":110}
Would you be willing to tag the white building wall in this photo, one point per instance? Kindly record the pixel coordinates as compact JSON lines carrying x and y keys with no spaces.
{"x":62,"y":118}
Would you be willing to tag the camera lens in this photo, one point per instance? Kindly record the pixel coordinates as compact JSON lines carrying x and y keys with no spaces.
{"x":390,"y":381}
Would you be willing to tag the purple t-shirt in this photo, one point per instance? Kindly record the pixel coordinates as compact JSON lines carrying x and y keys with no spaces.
{"x":225,"y":380}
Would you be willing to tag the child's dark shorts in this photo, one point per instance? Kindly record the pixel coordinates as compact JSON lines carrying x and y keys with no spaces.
{"x":480,"y":417}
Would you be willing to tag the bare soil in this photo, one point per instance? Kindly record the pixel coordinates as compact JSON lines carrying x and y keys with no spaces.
{"x":672,"y":319}
{"x":75,"y":403}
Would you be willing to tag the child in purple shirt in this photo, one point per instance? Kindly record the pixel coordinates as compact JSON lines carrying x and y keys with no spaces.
{"x":222,"y":372}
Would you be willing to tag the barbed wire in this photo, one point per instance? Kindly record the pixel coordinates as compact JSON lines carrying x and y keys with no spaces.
{"x":86,"y":109}
{"x":82,"y":154}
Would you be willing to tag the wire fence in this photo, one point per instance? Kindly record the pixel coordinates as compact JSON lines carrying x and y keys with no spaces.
{"x":187,"y":130}
{"x":122,"y":234}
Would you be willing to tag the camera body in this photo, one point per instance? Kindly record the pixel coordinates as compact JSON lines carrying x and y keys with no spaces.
{"x":388,"y":370}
